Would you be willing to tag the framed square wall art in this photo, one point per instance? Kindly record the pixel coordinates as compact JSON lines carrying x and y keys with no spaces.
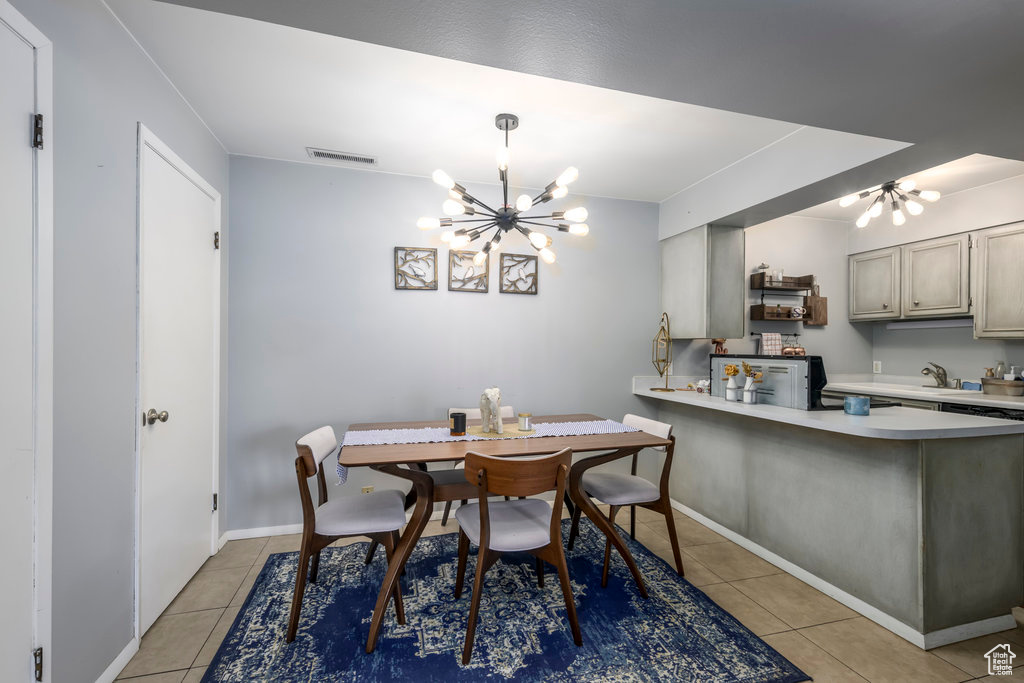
{"x":518,"y":274}
{"x":415,"y":268}
{"x":466,"y":276}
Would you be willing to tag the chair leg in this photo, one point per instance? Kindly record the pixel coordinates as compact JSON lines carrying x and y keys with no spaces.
{"x":370,"y":551}
{"x":315,"y":571}
{"x":460,"y":572}
{"x":574,"y":531}
{"x":447,"y":511}
{"x":608,"y":547}
{"x":540,"y":573}
{"x":474,"y":605}
{"x":670,"y":519}
{"x":570,"y":602}
{"x":300,"y":588}
{"x":389,"y":550}
{"x":632,"y":522}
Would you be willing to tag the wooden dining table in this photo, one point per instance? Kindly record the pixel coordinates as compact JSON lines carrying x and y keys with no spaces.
{"x":406,"y":460}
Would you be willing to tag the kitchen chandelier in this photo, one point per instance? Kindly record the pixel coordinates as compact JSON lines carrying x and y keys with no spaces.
{"x":510,"y":216}
{"x":897,"y":198}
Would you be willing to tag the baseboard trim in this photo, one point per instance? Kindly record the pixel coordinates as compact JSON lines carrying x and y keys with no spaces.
{"x":285,"y":529}
{"x":925,"y":641}
{"x":120,"y":662}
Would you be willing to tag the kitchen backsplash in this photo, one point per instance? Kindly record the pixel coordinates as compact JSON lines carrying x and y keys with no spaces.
{"x":906,"y":351}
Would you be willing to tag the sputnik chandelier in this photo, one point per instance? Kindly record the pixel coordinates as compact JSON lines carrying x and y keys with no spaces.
{"x":509,"y":217}
{"x":896,"y":192}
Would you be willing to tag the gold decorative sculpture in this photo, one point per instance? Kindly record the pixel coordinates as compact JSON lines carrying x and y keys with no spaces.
{"x":661,"y":352}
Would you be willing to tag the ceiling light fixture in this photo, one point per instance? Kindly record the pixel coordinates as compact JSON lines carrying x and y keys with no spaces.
{"x":511,"y":216}
{"x":896,"y":192}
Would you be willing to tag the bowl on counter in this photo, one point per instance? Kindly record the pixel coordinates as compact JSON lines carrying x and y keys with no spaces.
{"x":1002,"y":387}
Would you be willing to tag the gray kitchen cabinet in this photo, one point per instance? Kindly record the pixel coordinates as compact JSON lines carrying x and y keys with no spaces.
{"x":703,"y":282}
{"x":875,"y":284}
{"x":999,"y":282}
{"x":935,"y":277}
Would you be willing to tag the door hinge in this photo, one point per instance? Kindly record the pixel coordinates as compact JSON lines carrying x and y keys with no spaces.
{"x":37,"y":657}
{"x":37,"y":131}
{"x":216,"y":240}
{"x":215,"y":502}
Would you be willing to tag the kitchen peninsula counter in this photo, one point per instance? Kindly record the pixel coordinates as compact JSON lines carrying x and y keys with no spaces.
{"x":914,"y":518}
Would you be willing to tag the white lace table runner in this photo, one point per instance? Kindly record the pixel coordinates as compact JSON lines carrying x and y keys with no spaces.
{"x":380,"y":437}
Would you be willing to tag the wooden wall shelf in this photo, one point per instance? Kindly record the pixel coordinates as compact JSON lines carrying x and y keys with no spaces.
{"x":787,"y":284}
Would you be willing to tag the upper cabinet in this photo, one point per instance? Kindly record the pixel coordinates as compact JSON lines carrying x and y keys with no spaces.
{"x":999,"y":282}
{"x":703,"y":286}
{"x":875,"y":284}
{"x":936,"y":277}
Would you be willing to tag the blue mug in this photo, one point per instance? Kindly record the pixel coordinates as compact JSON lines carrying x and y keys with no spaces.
{"x":857,"y":405}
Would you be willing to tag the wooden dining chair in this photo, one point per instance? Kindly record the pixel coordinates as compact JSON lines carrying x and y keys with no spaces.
{"x":446,"y":476}
{"x":526,"y":525}
{"x":616,"y":490}
{"x":377,"y":515}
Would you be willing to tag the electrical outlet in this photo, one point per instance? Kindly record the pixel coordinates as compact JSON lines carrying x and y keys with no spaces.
{"x":367,"y":489}
{"x":876,"y":367}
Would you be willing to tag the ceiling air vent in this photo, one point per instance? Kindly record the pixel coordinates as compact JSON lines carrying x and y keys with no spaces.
{"x":345,"y":157}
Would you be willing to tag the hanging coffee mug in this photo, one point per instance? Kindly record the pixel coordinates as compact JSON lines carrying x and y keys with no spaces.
{"x":798,"y":312}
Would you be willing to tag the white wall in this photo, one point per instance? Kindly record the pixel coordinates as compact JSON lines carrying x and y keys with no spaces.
{"x":801,"y":246}
{"x":103,"y":85}
{"x":318,"y":334}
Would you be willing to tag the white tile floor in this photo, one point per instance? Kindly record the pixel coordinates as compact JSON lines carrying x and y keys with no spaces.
{"x":827,"y":640}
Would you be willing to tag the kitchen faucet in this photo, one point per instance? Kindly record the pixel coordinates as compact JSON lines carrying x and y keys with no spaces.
{"x":939,"y":373}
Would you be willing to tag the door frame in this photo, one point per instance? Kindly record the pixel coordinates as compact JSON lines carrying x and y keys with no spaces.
{"x":42,"y":598}
{"x":146,"y":138}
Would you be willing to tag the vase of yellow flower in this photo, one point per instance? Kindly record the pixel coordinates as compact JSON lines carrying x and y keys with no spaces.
{"x":753,"y":377}
{"x":732,"y":389}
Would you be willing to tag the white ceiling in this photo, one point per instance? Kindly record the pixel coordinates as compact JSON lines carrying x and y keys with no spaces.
{"x":270,"y":90}
{"x":956,"y":176}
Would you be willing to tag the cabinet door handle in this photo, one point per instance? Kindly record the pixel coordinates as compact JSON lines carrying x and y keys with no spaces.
{"x":916,"y":302}
{"x":885,"y":305}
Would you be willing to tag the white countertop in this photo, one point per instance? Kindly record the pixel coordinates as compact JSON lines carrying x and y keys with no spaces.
{"x":882,"y":423}
{"x":925,"y":393}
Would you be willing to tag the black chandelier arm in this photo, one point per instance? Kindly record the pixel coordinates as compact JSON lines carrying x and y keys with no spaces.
{"x":474,"y":200}
{"x":543,"y":225}
{"x":474,"y":220}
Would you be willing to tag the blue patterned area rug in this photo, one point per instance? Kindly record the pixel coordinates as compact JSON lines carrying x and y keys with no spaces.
{"x":677,"y":634}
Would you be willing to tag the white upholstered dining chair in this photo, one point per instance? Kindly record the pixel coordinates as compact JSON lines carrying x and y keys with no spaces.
{"x":377,"y":515}
{"x":616,"y":489}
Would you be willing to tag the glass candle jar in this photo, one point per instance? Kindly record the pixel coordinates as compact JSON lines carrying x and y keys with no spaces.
{"x":458,"y":424}
{"x":524,"y":422}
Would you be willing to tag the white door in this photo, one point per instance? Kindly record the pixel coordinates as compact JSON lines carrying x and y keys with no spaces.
{"x":25,"y":354}
{"x":178,"y":310}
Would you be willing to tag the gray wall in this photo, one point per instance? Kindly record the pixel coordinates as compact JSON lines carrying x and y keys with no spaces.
{"x":318,"y":334}
{"x":801,"y":246}
{"x":103,"y":85}
{"x":905,"y":352}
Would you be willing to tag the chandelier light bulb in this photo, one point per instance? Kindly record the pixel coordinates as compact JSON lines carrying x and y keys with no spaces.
{"x":559,"y":191}
{"x":897,"y":217}
{"x":568,"y":175}
{"x":864,"y":219}
{"x":930,"y":195}
{"x":447,"y":235}
{"x":459,"y":241}
{"x":848,"y":200}
{"x":577,"y":215}
{"x":480,"y":257}
{"x":428,"y":223}
{"x":502,"y":158}
{"x":453,"y":208}
{"x":547,"y":255}
{"x":579,"y":229}
{"x":443,"y":179}
{"x":907,"y":185}
{"x":876,"y":209}
{"x":538,"y":239}
{"x":523,"y":202}
{"x":913,"y":207}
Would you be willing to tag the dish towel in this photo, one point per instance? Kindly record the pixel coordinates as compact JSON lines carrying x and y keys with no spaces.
{"x":771,"y":343}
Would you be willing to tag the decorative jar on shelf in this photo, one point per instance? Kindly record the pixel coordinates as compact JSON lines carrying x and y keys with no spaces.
{"x":732,"y":390}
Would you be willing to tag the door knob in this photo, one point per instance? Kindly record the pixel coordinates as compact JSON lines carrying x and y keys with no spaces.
{"x":152,"y":416}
